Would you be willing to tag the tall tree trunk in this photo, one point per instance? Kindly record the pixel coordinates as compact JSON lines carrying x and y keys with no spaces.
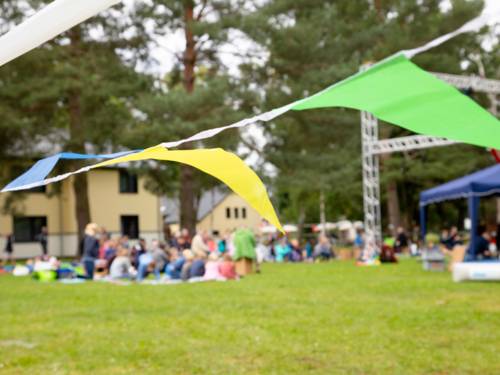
{"x":322,"y":212}
{"x":188,"y":210}
{"x":77,"y":142}
{"x":393,"y":206}
{"x":188,"y":213}
{"x":302,"y":218}
{"x":378,"y":8}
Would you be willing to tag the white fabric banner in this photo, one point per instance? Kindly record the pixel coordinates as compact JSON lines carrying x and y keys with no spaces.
{"x":46,"y":24}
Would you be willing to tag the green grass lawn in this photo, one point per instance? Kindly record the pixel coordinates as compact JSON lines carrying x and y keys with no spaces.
{"x":291,"y":319}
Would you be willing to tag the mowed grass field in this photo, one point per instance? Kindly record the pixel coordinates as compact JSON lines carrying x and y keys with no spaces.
{"x":291,"y":319}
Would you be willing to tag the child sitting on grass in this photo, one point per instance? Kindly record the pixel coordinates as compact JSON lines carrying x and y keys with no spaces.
{"x":227,"y":268}
{"x":188,"y":262}
{"x":121,"y":264}
{"x":212,"y":268}
{"x":174,"y":267}
{"x":198,"y":266}
{"x":432,"y":243}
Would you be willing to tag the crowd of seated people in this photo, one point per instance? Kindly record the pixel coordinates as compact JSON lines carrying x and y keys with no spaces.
{"x":182,"y":258}
{"x":281,"y":249}
{"x":202,"y":257}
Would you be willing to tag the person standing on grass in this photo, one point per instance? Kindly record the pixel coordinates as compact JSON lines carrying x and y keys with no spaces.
{"x":9,"y":247}
{"x":43,"y":239}
{"x":244,"y":251}
{"x":359,"y":241}
{"x":90,"y":249}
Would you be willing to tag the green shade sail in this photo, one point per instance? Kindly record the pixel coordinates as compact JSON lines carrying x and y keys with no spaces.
{"x":399,"y":92}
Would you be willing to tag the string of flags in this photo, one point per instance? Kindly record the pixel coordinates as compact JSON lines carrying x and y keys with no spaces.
{"x":394,"y":90}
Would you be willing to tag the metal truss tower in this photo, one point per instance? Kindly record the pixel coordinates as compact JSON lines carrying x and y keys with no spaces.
{"x":372,"y":147}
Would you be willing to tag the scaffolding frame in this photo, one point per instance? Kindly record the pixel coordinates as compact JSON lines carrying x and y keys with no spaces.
{"x":373,"y":147}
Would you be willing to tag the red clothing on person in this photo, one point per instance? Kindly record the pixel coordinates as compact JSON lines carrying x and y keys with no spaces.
{"x":227,"y":269}
{"x":211,"y":246}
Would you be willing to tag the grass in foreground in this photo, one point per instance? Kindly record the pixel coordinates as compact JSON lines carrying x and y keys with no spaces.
{"x":292,"y":319}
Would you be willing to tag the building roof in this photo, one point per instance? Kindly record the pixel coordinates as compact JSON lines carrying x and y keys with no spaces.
{"x":208,"y":201}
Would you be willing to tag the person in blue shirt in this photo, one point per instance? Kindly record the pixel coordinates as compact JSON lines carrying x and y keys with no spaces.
{"x":174,"y":268}
{"x":198,"y":266}
{"x":282,"y":250}
{"x":90,"y":249}
{"x":482,"y":245}
{"x":359,"y":241}
{"x":309,"y":249}
{"x":145,"y":265}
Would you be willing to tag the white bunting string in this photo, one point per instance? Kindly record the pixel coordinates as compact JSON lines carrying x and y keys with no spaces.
{"x":486,"y":18}
{"x":46,"y":24}
{"x":209,"y":133}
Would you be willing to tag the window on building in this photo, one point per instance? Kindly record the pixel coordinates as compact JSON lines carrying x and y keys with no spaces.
{"x":27,"y":229}
{"x":228,"y":213}
{"x":128,"y":182}
{"x":236,"y":213}
{"x":130,"y":226}
{"x":244,"y":213}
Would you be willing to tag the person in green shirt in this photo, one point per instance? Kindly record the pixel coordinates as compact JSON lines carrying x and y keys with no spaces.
{"x":244,"y":244}
{"x":244,"y":251}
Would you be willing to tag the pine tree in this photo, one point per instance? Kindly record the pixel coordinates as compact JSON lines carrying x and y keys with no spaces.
{"x":197,"y":94}
{"x":315,"y":43}
{"x":74,"y":92}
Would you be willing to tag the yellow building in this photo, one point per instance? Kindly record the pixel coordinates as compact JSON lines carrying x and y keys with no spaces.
{"x":119,"y":202}
{"x":218,"y":211}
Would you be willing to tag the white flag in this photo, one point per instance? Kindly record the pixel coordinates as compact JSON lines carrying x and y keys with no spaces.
{"x":46,"y":24}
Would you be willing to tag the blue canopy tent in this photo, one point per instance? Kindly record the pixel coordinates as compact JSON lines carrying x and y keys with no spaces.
{"x":478,"y":184}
